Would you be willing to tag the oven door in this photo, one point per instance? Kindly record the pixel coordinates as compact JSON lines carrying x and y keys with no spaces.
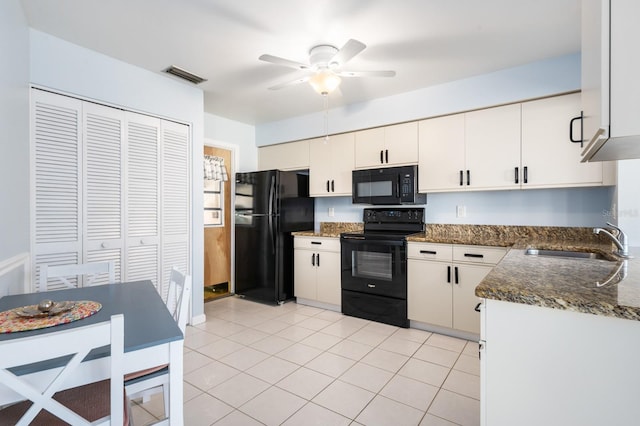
{"x":374,"y":266}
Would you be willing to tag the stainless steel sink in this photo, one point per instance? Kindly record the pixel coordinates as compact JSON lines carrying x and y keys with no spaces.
{"x":565,"y":253}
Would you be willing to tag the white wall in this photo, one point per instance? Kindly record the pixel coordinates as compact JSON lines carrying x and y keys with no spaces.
{"x":14,"y":128}
{"x":72,"y":69}
{"x":628,"y":211}
{"x":241,"y":135}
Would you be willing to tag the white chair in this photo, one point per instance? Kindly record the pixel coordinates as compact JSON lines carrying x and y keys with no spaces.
{"x":148,"y":382}
{"x":76,"y":406}
{"x":63,"y":272}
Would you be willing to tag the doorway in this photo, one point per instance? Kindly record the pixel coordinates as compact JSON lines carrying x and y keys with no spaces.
{"x":217,"y":228}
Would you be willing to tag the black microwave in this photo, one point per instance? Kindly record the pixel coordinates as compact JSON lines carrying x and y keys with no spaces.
{"x":387,"y":186}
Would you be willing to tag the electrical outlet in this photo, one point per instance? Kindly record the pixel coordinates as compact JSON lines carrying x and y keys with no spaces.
{"x":331,"y":212}
{"x":461,"y":211}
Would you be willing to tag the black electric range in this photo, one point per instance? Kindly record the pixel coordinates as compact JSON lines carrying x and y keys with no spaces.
{"x":374,"y":265}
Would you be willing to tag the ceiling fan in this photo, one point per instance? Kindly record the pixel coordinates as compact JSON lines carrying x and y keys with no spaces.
{"x":325,"y":66}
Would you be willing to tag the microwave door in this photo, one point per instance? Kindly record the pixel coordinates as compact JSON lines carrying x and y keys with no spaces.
{"x":384,"y":188}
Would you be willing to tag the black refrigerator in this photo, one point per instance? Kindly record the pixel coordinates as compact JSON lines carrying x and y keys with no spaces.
{"x":269,"y":206}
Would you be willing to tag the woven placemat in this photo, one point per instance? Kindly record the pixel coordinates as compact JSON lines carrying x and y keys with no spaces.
{"x":11,"y":322}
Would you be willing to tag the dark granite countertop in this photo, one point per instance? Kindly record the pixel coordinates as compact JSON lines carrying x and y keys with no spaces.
{"x":331,"y":229}
{"x":594,"y":286}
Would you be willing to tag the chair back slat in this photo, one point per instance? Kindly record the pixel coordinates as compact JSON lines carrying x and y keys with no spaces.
{"x":63,"y":273}
{"x":178,"y":297}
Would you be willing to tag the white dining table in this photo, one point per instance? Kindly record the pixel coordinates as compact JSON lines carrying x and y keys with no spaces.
{"x":151,"y":338}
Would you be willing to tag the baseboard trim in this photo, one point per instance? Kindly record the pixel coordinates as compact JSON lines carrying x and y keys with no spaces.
{"x":199,"y":319}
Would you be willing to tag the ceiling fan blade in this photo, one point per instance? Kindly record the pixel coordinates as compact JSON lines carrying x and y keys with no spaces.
{"x":284,"y":62}
{"x":366,"y":73}
{"x":348,"y":51}
{"x":290,"y":83}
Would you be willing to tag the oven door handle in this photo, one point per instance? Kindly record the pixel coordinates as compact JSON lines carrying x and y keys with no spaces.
{"x":363,"y":240}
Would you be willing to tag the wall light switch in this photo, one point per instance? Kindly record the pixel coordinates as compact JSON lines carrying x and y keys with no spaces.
{"x":461,"y":211}
{"x":332,"y":212}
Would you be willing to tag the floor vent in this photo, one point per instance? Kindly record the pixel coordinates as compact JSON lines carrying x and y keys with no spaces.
{"x":185,"y":75}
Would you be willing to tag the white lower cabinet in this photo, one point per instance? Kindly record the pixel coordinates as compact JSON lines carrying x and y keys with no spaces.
{"x":317,"y":271}
{"x":441,"y":283}
{"x":544,"y":366}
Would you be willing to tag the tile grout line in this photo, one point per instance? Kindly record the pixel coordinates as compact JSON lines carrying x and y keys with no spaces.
{"x":314,"y":314}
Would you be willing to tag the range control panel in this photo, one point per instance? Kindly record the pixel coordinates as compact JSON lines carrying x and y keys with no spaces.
{"x":394,"y":215}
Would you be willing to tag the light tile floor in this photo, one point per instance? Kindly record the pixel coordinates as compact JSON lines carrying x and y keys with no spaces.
{"x":255,"y":364}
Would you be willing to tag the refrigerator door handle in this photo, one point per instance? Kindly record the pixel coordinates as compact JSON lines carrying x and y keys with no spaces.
{"x":272,"y":190}
{"x":272,"y":195}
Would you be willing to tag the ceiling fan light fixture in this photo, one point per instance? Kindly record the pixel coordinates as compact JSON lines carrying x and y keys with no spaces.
{"x":325,"y":82}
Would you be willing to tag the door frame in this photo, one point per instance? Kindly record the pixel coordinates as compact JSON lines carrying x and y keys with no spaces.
{"x":234,"y":164}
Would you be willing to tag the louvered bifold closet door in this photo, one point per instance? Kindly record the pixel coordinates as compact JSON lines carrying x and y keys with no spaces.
{"x":142,"y":170}
{"x":103,"y":187}
{"x":176,"y":190}
{"x":56,"y":189}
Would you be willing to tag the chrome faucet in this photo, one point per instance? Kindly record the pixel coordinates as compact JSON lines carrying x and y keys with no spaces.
{"x":620,"y":240}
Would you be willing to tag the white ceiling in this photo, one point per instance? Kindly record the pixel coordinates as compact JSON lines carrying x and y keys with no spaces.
{"x":426,"y":42}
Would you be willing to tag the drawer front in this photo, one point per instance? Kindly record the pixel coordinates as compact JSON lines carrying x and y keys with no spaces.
{"x":478,"y":254}
{"x":317,"y":243}
{"x":429,"y":251}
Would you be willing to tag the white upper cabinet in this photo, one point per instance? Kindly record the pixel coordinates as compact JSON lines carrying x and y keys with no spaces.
{"x":549,"y":158}
{"x":518,"y":146}
{"x":331,"y":162}
{"x":284,"y":156}
{"x":387,"y":146}
{"x":478,"y":150}
{"x":610,"y":86}
{"x":492,"y":148}
{"x":441,"y":157}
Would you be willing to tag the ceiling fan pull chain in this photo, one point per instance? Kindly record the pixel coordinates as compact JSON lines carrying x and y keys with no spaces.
{"x":326,"y":118}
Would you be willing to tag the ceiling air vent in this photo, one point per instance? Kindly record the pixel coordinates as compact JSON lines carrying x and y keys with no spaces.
{"x":185,"y":75}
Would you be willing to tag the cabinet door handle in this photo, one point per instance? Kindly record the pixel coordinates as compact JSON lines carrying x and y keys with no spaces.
{"x":457,"y":281}
{"x":386,"y":155}
{"x":581,"y":140}
{"x":333,"y":188}
{"x":461,"y":177}
{"x":428,"y":252}
{"x":468,"y":178}
{"x":381,"y":158}
{"x":479,"y":256}
{"x":448,"y":274}
{"x":517,"y":174}
{"x":327,"y":185}
{"x":313,"y":259}
{"x":477,"y":308}
{"x":525,"y":178}
{"x":316,"y":242}
{"x":318,"y":260}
